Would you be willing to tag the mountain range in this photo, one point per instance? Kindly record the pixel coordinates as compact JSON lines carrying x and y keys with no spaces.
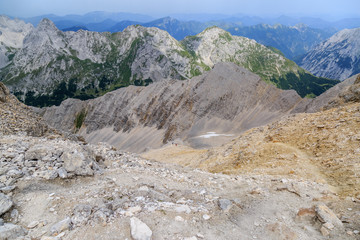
{"x":288,"y":34}
{"x":338,"y":57}
{"x":293,"y":41}
{"x":53,"y":65}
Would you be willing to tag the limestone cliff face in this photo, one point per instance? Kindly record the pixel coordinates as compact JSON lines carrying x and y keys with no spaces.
{"x":337,"y":57}
{"x":228,"y":99}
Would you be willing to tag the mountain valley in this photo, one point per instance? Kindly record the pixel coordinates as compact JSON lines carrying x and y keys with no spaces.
{"x":134,"y":134}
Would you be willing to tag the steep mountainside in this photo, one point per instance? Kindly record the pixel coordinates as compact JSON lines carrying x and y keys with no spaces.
{"x":336,"y":58}
{"x":12,"y":33}
{"x":227,"y":100}
{"x":54,"y":65}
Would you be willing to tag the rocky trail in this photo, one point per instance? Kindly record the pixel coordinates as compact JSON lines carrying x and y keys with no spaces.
{"x":125,"y":196}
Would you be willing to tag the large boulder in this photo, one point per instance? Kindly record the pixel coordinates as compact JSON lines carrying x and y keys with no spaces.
{"x":79,"y":161}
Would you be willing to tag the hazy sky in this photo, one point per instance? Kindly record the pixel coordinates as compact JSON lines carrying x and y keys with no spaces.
{"x":315,"y":8}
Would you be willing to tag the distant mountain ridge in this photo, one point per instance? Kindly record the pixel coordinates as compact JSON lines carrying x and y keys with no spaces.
{"x":54,"y":65}
{"x":338,"y":57}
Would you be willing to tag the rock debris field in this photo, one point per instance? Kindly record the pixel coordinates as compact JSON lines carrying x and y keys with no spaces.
{"x":53,"y":188}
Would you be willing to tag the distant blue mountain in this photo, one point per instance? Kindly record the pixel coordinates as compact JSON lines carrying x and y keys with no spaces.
{"x":120,"y":26}
{"x":92,"y":17}
{"x":75,"y":29}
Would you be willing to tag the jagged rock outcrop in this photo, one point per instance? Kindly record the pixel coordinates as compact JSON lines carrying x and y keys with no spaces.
{"x":336,"y":58}
{"x":12,"y":34}
{"x":228,"y":99}
{"x":55,"y":65}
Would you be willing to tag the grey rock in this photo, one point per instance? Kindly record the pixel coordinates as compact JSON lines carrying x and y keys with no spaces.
{"x":41,"y":151}
{"x":326,"y":215}
{"x":7,"y":189}
{"x":5,"y":203}
{"x":139,"y":230}
{"x":78,"y":161}
{"x":225,"y":204}
{"x":15,"y":173}
{"x":50,"y":174}
{"x":10,"y":231}
{"x":14,"y":215}
{"x":61,"y":226}
{"x":1,"y":222}
{"x":81,"y":214}
{"x":62,"y":173}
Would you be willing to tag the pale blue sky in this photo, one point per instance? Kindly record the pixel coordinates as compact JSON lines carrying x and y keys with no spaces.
{"x":264,"y":8}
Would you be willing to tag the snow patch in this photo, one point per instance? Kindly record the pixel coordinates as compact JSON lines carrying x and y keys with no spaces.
{"x":214,"y":134}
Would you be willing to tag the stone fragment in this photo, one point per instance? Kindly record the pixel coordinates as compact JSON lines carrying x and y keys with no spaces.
{"x":132,"y":211}
{"x":50,"y":174}
{"x":61,"y":226}
{"x":179,"y":219}
{"x":139,"y":230}
{"x":329,"y":226}
{"x":182,"y":208}
{"x":306,"y":214}
{"x":206,"y":217}
{"x":33,"y":224}
{"x":324,"y":231}
{"x":100,"y":217}
{"x":225,"y":204}
{"x":5,"y":203}
{"x":15,"y":173}
{"x":7,"y":189}
{"x":10,"y":231}
{"x":81,"y":214}
{"x":326,"y":215}
{"x":62,"y":173}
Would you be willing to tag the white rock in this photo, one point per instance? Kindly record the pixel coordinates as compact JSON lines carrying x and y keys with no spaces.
{"x":179,"y":219}
{"x":206,"y":217}
{"x":182,"y":208}
{"x":33,"y":224}
{"x":139,"y":230}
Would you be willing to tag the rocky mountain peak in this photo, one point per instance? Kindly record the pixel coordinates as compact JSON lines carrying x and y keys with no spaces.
{"x":337,"y":58}
{"x":46,"y":25}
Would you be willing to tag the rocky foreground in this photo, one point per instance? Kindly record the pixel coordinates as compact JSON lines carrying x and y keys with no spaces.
{"x":56,"y":188}
{"x":60,"y":189}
